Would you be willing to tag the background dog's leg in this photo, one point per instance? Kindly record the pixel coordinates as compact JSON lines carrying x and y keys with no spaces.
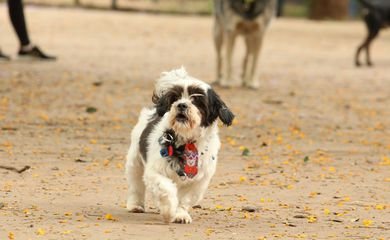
{"x":371,"y":37}
{"x":373,"y":28}
{"x":218,"y":41}
{"x":366,"y":45}
{"x":164,"y":191}
{"x":255,"y":46}
{"x":230,"y":40}
{"x":244,"y":74}
{"x":357,"y":55}
{"x":136,"y":191}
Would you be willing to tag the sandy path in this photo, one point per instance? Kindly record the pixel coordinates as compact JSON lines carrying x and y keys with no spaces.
{"x":312,"y":103}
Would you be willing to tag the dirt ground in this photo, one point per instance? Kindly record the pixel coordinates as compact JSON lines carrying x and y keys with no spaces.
{"x":316,"y":134}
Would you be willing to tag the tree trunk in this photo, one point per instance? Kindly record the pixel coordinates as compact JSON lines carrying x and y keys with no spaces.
{"x":328,"y":9}
{"x":114,"y":4}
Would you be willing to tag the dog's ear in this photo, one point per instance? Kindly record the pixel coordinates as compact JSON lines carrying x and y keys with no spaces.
{"x":217,"y":108}
{"x":161,"y":104}
{"x":155,"y":97}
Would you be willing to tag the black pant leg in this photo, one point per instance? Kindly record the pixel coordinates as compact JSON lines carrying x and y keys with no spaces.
{"x":16,"y":13}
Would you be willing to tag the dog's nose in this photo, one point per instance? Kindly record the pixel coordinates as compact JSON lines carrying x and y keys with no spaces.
{"x":182,"y":107}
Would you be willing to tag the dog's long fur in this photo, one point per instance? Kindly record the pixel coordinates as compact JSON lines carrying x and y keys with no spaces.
{"x":376,"y":17}
{"x":248,"y":18}
{"x":147,"y":169}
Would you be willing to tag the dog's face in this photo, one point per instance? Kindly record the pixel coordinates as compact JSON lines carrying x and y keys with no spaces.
{"x":190,"y":104}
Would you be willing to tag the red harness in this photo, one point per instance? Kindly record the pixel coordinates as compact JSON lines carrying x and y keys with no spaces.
{"x":187,"y":155}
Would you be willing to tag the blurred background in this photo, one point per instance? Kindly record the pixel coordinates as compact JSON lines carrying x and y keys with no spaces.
{"x":309,"y":149}
{"x":314,"y":9}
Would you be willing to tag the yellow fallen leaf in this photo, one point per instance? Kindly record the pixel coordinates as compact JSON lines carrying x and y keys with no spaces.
{"x":106,"y":162}
{"x":41,"y":231}
{"x":242,"y":179}
{"x":332,"y":169}
{"x":231,"y":141}
{"x":380,"y":207}
{"x":44,"y":116}
{"x":279,"y":139}
{"x":314,"y":194}
{"x":93,"y":141}
{"x":290,"y":186}
{"x":119,"y":165}
{"x":7,"y":144}
{"x":301,"y":236}
{"x":68,"y":214}
{"x":67,"y":232}
{"x":209,"y":231}
{"x":11,"y":236}
{"x":219,"y":207}
{"x":367,"y":222}
{"x":385,"y":161}
{"x":242,"y":199}
{"x":87,"y":150}
{"x":4,"y":101}
{"x":311,"y":219}
{"x":109,"y":217}
{"x":326,"y":211}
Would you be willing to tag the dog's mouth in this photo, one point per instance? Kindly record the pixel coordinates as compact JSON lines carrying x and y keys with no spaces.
{"x":181,"y":117}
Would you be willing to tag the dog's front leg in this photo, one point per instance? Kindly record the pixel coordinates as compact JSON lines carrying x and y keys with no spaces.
{"x":164,"y":191}
{"x":188,"y":197}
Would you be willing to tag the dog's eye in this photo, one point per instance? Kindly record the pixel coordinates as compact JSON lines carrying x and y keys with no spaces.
{"x":173,"y":98}
{"x":196,"y":96}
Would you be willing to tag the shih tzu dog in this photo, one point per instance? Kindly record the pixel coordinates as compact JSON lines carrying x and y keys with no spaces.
{"x":174,"y":146}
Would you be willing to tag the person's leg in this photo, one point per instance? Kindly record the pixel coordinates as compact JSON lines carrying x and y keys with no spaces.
{"x":16,"y":13}
{"x":27,"y":49}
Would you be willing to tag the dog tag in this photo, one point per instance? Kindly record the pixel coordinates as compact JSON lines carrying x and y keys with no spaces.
{"x":190,"y":157}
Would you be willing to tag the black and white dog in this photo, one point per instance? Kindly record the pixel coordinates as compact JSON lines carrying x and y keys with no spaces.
{"x":174,"y":146}
{"x":376,"y":17}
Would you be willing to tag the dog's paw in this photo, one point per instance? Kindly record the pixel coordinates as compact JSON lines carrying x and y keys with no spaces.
{"x":182,"y":217}
{"x":167,"y":214}
{"x":252,"y":85}
{"x":135,"y":208}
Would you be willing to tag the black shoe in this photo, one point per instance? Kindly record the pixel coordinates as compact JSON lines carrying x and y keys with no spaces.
{"x":36,"y":53}
{"x":4,"y":57}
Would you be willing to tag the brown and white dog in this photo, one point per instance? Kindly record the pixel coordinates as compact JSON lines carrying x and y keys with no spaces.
{"x":174,"y":146}
{"x":248,"y":18}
